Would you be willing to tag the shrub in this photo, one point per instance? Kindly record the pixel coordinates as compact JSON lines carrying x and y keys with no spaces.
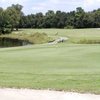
{"x":7,"y":31}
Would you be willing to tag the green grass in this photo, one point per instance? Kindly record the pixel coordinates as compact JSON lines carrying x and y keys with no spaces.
{"x":73,"y":34}
{"x":69,"y":67}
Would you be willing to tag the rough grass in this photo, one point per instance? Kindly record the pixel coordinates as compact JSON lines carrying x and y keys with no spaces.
{"x":75,"y":35}
{"x":70,"y":67}
{"x":36,"y":38}
{"x":88,"y":41}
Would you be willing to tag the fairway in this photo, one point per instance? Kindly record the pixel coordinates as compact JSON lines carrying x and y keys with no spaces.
{"x":64,"y":66}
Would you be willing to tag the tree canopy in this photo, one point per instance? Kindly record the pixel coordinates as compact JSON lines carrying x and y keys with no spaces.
{"x":74,"y":19}
{"x":10,"y":18}
{"x":13,"y":18}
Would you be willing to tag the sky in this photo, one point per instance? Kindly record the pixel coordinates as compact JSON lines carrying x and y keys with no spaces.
{"x":35,"y":6}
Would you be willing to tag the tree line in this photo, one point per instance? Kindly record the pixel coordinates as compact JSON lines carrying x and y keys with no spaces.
{"x":13,"y":18}
{"x":74,"y":19}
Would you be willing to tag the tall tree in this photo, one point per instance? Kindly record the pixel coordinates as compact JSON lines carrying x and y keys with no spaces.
{"x":79,"y":17}
{"x":14,"y":12}
{"x":97,"y":18}
{"x":4,"y":22}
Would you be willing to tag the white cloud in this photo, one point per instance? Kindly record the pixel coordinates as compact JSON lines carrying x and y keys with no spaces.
{"x":5,"y":3}
{"x":64,"y":5}
{"x":34,"y":6}
{"x":12,"y":1}
{"x":91,"y":4}
{"x":88,"y":2}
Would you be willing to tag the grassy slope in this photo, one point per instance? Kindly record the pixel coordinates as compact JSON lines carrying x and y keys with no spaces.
{"x":64,"y":66}
{"x":73,"y":34}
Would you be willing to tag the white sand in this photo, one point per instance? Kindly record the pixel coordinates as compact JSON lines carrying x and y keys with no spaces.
{"x":58,"y":40}
{"x":27,"y":94}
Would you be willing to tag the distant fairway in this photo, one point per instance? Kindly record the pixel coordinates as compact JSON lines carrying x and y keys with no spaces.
{"x":64,"y":66}
{"x":73,"y":34}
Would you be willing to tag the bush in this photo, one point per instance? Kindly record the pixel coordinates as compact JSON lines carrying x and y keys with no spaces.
{"x":7,"y":31}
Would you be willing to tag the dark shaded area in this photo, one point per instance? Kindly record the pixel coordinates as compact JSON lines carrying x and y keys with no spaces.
{"x":8,"y":42}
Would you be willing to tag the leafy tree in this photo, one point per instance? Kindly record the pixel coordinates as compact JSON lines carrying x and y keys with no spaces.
{"x":14,"y":13}
{"x":88,"y":20}
{"x":79,"y":18}
{"x":4,"y":22}
{"x":70,"y":20}
{"x":97,"y":18}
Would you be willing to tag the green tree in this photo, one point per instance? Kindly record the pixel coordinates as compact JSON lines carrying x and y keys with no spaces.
{"x":4,"y":22}
{"x":79,"y":18}
{"x":97,"y":18}
{"x":14,"y":12}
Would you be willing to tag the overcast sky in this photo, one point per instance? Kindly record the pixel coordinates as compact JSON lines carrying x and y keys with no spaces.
{"x":35,"y":6}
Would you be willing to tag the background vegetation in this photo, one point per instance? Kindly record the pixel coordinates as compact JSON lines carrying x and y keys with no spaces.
{"x":13,"y":17}
{"x":74,"y":19}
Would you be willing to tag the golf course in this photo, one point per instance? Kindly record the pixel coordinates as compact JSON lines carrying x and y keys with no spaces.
{"x":72,"y":65}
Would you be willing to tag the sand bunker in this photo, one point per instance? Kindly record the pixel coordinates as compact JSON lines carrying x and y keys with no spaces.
{"x":28,"y":94}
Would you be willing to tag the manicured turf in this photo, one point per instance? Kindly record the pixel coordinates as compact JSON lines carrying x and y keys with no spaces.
{"x":70,"y":67}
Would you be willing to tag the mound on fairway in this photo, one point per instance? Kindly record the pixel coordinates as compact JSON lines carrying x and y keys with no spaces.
{"x":36,"y":38}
